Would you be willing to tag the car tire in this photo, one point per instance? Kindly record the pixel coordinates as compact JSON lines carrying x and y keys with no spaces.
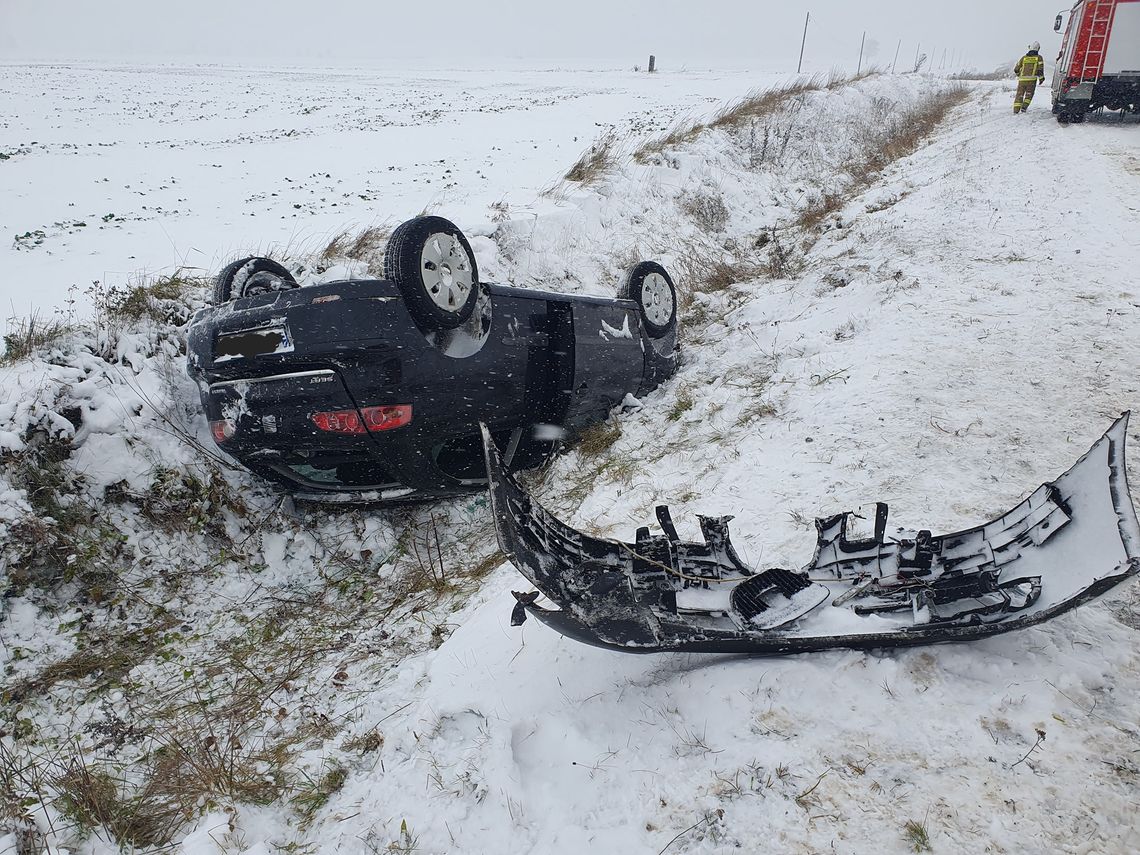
{"x":432,"y":264}
{"x":649,"y":285}
{"x":249,"y":276}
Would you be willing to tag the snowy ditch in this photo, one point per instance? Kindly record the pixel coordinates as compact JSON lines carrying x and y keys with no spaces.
{"x":192,"y":658}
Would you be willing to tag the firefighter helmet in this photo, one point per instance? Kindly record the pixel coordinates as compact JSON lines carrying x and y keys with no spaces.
{"x":1035,"y":46}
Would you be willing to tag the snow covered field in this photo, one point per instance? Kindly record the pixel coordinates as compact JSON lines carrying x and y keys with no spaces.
{"x":115,"y":171}
{"x":950,"y":334}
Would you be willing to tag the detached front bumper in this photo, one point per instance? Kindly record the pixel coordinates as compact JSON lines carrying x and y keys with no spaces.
{"x":1071,"y":540}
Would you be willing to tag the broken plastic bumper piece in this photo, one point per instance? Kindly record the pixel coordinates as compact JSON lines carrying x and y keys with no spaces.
{"x":1071,"y":540}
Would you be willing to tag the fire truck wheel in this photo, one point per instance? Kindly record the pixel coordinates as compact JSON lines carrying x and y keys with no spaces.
{"x":1070,"y":114}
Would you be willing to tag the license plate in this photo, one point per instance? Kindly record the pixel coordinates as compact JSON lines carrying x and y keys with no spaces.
{"x":259,"y":342}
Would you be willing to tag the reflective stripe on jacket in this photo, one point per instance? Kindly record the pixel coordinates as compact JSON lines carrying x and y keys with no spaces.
{"x":1030,"y":67}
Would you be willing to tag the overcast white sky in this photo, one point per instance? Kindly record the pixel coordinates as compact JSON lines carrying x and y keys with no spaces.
{"x":452,"y":33}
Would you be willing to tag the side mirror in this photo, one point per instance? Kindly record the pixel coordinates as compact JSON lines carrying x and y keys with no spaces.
{"x":1057,"y":24}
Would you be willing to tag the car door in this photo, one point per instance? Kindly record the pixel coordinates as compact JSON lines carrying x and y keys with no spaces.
{"x":608,"y":357}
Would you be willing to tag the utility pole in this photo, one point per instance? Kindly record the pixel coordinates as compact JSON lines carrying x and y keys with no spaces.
{"x":859,"y":70}
{"x":896,"y":62}
{"x":803,"y":44}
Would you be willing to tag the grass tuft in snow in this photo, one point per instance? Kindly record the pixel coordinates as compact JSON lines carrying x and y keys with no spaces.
{"x":755,"y":410}
{"x":367,"y":245}
{"x":682,"y":405}
{"x":883,"y":205}
{"x":185,"y":500}
{"x":1003,"y":72}
{"x":163,"y":299}
{"x":818,"y":209}
{"x":916,"y":836}
{"x":153,"y":303}
{"x":596,"y":457}
{"x":709,"y":270}
{"x":365,"y":743}
{"x":100,"y":665}
{"x":421,"y":542}
{"x":596,"y":160}
{"x":315,"y":794}
{"x":597,"y":439}
{"x":781,"y":262}
{"x":69,"y":537}
{"x":96,"y":798}
{"x":17,"y":776}
{"x":28,"y":336}
{"x":706,"y":209}
{"x":58,"y":537}
{"x":761,"y":104}
{"x":704,"y":267}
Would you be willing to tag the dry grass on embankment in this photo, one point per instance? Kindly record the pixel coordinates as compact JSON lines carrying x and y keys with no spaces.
{"x":897,"y":137}
{"x":758,"y":104}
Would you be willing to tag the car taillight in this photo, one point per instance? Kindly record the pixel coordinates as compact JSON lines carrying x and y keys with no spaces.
{"x":340,"y":421}
{"x":222,"y":430}
{"x":387,"y":418}
{"x":374,"y":419}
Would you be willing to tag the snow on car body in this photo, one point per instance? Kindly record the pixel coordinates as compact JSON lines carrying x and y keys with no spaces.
{"x":372,"y":390}
{"x":1099,"y":63}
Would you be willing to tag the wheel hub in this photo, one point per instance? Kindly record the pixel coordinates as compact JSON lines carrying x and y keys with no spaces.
{"x":656,"y":299}
{"x":445,"y":268}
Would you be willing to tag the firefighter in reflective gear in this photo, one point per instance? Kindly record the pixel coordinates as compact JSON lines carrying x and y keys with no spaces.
{"x":1030,"y":71}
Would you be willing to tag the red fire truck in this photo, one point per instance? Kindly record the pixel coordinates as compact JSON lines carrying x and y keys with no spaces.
{"x":1099,"y":63}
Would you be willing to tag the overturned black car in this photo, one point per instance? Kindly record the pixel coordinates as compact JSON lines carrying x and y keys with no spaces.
{"x":373,"y":390}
